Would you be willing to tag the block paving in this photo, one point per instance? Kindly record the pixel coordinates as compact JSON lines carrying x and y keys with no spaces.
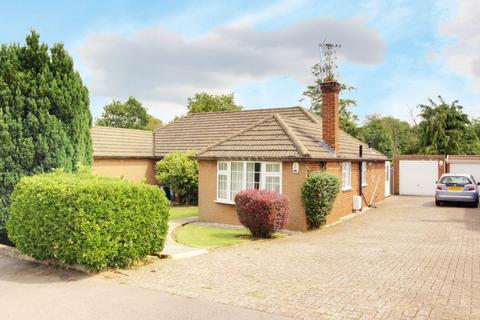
{"x":406,"y":259}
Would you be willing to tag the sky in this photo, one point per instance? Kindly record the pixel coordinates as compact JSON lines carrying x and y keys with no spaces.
{"x":396,"y":54}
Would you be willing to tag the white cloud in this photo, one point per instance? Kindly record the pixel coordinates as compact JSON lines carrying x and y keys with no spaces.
{"x":463,"y":56}
{"x":164,"y":67}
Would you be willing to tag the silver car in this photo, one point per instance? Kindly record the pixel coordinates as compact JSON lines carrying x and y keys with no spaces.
{"x":456,"y":188}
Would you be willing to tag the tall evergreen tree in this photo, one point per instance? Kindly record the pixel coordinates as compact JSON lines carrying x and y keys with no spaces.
{"x":45,"y":118}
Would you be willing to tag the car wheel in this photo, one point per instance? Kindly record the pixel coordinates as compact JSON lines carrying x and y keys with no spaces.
{"x":475,"y":204}
{"x":438,"y":203}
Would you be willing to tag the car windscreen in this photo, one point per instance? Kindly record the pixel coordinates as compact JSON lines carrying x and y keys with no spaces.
{"x":455,"y":181}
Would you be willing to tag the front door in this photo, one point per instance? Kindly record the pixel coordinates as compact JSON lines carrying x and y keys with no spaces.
{"x":387,"y":178}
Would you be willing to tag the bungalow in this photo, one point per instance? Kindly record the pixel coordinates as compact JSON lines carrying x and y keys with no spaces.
{"x":273,"y":149}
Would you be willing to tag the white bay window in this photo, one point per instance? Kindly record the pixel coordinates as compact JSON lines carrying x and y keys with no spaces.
{"x":234,"y":176}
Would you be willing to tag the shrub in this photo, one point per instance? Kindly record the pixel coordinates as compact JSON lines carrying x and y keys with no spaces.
{"x":262,"y":212}
{"x":319,"y":191}
{"x":179,"y":172}
{"x":94,"y":221}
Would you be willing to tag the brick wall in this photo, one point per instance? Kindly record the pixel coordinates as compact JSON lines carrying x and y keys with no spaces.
{"x":330,"y":114}
{"x":396,"y":167}
{"x":132,"y":169}
{"x":374,"y":190}
{"x":291,"y":186}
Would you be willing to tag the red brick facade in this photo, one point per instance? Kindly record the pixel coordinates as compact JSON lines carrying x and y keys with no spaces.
{"x":374,"y":191}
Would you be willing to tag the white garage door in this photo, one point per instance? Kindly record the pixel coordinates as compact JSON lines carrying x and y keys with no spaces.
{"x":466,"y":168}
{"x":418,"y":178}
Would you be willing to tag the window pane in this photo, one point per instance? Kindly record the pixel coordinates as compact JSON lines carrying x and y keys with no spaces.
{"x":253,"y":175}
{"x":364,"y":173}
{"x":222,"y":187}
{"x":272,"y":183}
{"x":222,"y":166}
{"x":272,"y":167}
{"x":236,"y":183}
{"x":346,"y":174}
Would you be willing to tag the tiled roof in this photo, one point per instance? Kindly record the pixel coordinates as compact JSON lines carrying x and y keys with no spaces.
{"x":199,"y":130}
{"x":279,"y":136}
{"x":310,"y":133}
{"x":460,"y":158}
{"x":121,"y":143}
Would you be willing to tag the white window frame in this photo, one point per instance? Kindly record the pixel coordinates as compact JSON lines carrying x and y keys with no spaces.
{"x":364,"y":173}
{"x":263,"y":175}
{"x":346,"y":176}
{"x":228,"y":174}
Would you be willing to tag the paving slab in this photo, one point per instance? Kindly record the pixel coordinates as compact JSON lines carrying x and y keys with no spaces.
{"x":175,"y":250}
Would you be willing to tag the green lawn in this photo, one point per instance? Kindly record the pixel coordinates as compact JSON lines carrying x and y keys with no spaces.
{"x":183,"y":212}
{"x":206,"y":237}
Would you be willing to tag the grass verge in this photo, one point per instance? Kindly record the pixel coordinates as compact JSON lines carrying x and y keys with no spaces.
{"x":177,"y":213}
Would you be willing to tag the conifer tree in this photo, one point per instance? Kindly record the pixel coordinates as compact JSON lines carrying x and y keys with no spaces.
{"x":45,"y":118}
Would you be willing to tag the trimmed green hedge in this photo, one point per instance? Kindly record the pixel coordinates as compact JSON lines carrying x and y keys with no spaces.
{"x":319,"y":192}
{"x":94,"y":221}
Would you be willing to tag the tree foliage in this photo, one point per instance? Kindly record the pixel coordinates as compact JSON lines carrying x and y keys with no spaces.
{"x":389,"y":135}
{"x":130,"y":114}
{"x":179,"y":172}
{"x":348,"y":120}
{"x":44,"y":114}
{"x":204,"y":102}
{"x":153,"y":123}
{"x":446,"y":129}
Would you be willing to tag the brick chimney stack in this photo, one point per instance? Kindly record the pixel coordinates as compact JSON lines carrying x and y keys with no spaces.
{"x":330,"y":114}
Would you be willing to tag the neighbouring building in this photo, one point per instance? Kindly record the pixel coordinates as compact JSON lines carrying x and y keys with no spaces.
{"x":417,"y":175}
{"x":123,"y":153}
{"x":273,"y":149}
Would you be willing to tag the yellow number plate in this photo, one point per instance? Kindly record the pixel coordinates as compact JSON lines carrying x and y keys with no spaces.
{"x":455,"y":188}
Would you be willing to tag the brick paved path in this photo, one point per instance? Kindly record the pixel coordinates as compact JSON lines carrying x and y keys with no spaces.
{"x":406,"y":259}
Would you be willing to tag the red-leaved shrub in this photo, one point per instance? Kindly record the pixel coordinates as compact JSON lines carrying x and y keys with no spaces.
{"x":262,"y":212}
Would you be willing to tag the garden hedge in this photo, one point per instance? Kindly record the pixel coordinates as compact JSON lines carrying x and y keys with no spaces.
{"x":262,"y":212}
{"x":319,"y":192}
{"x":94,"y":221}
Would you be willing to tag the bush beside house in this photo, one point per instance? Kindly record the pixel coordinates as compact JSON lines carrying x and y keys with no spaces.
{"x":262,"y":212}
{"x":319,"y":192}
{"x":179,"y":173}
{"x":83,"y":219}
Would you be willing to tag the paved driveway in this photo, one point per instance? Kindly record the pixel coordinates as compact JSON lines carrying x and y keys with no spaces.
{"x":405,"y":259}
{"x":33,"y":291}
